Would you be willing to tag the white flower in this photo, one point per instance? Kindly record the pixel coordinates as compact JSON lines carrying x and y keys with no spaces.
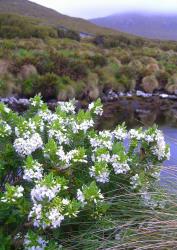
{"x":36,"y":214}
{"x":41,"y":192}
{"x":160,"y":148}
{"x":135,"y":181}
{"x":13,"y":195}
{"x":91,"y":106}
{"x":60,"y":136}
{"x":40,"y":243}
{"x":27,"y":147}
{"x":102,"y":176}
{"x":84,"y":126}
{"x":80,"y":196}
{"x":70,"y":156}
{"x":19,"y":192}
{"x":35,"y":103}
{"x":103,"y":157}
{"x":48,"y":116}
{"x":6,"y":129}
{"x":149,"y":138}
{"x":98,"y":110}
{"x":36,"y":172}
{"x":98,"y":142}
{"x":67,"y":107}
{"x":135,"y":134}
{"x":120,"y":134}
{"x":65,"y":202}
{"x":6,"y":109}
{"x":55,"y":218}
{"x":119,"y":167}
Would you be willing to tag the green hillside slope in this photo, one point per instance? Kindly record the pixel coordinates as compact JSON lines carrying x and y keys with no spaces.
{"x":49,"y":16}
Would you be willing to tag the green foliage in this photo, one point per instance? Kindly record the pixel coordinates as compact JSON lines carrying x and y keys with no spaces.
{"x":59,"y":175}
{"x":71,"y":34}
{"x":12,"y":26}
{"x":81,"y":69}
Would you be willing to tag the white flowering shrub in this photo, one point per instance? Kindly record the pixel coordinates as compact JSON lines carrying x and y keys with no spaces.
{"x":56,"y":169}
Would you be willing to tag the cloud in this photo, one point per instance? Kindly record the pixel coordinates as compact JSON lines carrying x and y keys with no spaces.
{"x":96,"y":8}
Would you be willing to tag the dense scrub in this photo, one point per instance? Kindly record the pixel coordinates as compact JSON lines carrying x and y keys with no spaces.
{"x":58,"y":174}
{"x":64,"y":68}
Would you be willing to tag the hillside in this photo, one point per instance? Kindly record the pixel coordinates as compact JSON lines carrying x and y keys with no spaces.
{"x":38,"y":56}
{"x":156,"y":26}
{"x":49,"y":16}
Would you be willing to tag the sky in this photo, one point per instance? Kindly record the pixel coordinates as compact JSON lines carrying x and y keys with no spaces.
{"x":98,"y":8}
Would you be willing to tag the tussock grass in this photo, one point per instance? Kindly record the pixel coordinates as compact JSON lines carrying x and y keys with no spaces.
{"x":129,"y":224}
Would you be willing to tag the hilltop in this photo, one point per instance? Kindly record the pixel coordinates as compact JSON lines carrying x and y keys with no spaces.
{"x":49,"y":16}
{"x":156,"y":26}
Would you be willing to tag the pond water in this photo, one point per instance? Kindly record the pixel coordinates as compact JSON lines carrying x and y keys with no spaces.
{"x":166,"y":118}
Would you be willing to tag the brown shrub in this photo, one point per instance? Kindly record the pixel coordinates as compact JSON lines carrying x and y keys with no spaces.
{"x":4,"y":67}
{"x":171,"y":87}
{"x":27,"y":71}
{"x":151,"y":68}
{"x":149,"y":83}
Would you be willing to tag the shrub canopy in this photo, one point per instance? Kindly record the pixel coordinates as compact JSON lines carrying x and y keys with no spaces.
{"x":56,"y":169}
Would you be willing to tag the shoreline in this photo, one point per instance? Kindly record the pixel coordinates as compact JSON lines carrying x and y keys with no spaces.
{"x":110,"y":96}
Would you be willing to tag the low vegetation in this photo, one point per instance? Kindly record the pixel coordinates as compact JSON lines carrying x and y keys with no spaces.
{"x":63,"y":68}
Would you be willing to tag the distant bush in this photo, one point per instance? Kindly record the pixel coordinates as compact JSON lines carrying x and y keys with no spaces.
{"x":150,"y":83}
{"x":12,"y":26}
{"x":118,"y":41}
{"x":65,"y":33}
{"x":99,"y":60}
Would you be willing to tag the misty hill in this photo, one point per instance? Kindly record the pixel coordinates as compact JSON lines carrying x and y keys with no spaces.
{"x":49,"y":16}
{"x":158,"y":26}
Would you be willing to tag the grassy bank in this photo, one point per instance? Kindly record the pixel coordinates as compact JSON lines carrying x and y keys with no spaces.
{"x":66,"y":68}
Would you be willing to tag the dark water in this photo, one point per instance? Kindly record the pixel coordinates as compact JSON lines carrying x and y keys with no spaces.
{"x":166,"y":118}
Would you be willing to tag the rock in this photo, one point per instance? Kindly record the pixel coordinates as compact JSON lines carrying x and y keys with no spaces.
{"x":149,"y":84}
{"x":26,"y":71}
{"x":143,"y":94}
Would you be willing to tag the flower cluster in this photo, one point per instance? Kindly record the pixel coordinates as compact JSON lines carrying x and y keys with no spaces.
{"x":160,"y":149}
{"x":68,"y":107}
{"x":5,"y":129}
{"x":76,"y":155}
{"x":100,"y":172}
{"x":12,"y":194}
{"x":33,"y":170}
{"x":25,"y":147}
{"x":41,"y":192}
{"x":34,"y":242}
{"x":89,"y":193}
{"x":135,"y":181}
{"x":96,"y":108}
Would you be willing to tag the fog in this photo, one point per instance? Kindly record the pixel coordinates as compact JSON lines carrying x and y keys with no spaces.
{"x":97,"y":8}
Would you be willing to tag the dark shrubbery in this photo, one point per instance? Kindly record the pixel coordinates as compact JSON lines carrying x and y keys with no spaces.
{"x":12,"y":26}
{"x":65,"y":33}
{"x":65,"y":68}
